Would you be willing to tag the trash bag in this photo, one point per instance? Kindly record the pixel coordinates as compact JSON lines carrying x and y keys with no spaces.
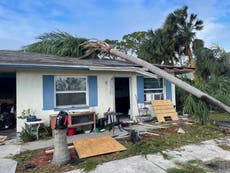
{"x":62,"y":120}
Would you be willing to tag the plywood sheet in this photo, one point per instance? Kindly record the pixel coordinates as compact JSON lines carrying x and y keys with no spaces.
{"x":97,"y":146}
{"x":164,"y":108}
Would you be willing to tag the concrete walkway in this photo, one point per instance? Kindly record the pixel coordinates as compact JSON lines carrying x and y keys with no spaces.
{"x":35,"y":145}
{"x":10,"y":148}
{"x":155,"y":163}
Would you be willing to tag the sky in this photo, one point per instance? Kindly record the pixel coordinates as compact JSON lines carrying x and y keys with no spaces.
{"x":21,"y":21}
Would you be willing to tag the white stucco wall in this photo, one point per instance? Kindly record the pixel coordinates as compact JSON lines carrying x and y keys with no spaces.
{"x":173,"y":94}
{"x":30,"y":92}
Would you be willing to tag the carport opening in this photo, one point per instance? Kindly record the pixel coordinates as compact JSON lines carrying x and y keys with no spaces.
{"x":8,"y":104}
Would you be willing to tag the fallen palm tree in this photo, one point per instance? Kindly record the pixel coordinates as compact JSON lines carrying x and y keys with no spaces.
{"x":92,"y":46}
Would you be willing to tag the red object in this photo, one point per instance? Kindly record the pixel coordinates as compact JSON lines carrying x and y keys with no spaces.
{"x":66,"y":121}
{"x":71,"y":131}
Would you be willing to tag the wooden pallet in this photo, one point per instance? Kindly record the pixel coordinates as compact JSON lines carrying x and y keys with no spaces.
{"x":164,"y":109}
{"x":97,"y":146}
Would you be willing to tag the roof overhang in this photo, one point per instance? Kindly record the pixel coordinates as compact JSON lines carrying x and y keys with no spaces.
{"x":80,"y":68}
{"x":43,"y":66}
{"x":125,"y":69}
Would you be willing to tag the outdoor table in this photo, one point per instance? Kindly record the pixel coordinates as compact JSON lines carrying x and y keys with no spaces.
{"x":35,"y":126}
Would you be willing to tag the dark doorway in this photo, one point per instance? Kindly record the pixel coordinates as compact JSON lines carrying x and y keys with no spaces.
{"x":7,"y":100}
{"x":122,"y":99}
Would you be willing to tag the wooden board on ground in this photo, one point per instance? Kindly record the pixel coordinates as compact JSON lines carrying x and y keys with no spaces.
{"x":2,"y":138}
{"x":97,"y":146}
{"x":164,"y":109}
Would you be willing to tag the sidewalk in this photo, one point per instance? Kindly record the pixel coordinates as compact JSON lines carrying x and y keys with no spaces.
{"x":9,"y":149}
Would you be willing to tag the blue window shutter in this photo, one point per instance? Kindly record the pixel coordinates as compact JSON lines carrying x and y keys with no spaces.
{"x":93,"y":95}
{"x":48,"y":92}
{"x":168,"y":86}
{"x":140,"y":89}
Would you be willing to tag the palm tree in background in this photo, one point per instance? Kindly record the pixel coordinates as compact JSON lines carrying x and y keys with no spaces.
{"x":157,"y":48}
{"x":183,"y":29}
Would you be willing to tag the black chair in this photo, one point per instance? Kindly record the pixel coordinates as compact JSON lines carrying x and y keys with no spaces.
{"x":112,"y":120}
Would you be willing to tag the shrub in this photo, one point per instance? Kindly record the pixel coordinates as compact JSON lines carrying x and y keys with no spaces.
{"x":27,"y":134}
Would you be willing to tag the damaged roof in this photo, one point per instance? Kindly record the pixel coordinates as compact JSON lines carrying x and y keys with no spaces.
{"x":17,"y":59}
{"x":175,"y":69}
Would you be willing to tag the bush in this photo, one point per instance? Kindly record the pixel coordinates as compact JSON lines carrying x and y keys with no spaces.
{"x":27,"y":134}
{"x":44,"y":132}
{"x":197,"y":108}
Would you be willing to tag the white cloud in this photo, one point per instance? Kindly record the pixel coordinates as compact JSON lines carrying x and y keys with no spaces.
{"x":215,"y":33}
{"x":216,"y":30}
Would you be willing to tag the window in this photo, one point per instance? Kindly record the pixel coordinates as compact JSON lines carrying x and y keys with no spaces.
{"x":70,"y":91}
{"x":153,"y":89}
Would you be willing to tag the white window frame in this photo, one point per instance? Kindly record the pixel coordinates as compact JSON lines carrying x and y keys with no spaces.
{"x":154,"y":89}
{"x":70,"y":106}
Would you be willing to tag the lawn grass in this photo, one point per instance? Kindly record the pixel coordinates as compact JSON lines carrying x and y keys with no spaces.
{"x":220,"y":116}
{"x":225,"y":147}
{"x":191,"y":169}
{"x":22,"y":157}
{"x":192,"y":166}
{"x":194,"y":134}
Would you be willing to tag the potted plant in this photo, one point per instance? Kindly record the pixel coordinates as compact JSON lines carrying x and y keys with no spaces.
{"x":28,"y":114}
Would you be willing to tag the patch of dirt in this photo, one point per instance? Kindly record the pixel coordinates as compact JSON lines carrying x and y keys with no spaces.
{"x":168,"y":130}
{"x":172,"y":129}
{"x":42,"y":159}
{"x":149,"y":136}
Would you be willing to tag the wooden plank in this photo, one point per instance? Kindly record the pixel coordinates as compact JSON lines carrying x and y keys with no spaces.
{"x":173,"y":115}
{"x":81,"y":124}
{"x":161,"y":102}
{"x":163,"y":111}
{"x":2,"y":138}
{"x":164,"y":108}
{"x":97,"y":146}
{"x":52,"y":150}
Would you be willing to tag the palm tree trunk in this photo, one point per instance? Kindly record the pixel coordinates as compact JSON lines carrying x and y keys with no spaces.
{"x":106,"y":48}
{"x":194,"y":91}
{"x":191,"y":59}
{"x":61,"y":154}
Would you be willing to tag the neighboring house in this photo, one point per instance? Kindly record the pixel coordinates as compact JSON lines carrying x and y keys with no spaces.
{"x":47,"y":84}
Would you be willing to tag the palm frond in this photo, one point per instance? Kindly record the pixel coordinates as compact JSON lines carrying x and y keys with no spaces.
{"x":57,"y":43}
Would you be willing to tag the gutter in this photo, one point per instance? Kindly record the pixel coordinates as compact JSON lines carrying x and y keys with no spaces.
{"x":81,"y":68}
{"x":124,"y":69}
{"x":43,"y":66}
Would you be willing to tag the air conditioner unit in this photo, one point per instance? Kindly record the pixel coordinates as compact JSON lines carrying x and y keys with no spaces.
{"x":153,"y":96}
{"x":158,"y":96}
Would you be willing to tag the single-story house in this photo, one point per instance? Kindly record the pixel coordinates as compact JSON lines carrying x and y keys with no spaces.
{"x":47,"y":84}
